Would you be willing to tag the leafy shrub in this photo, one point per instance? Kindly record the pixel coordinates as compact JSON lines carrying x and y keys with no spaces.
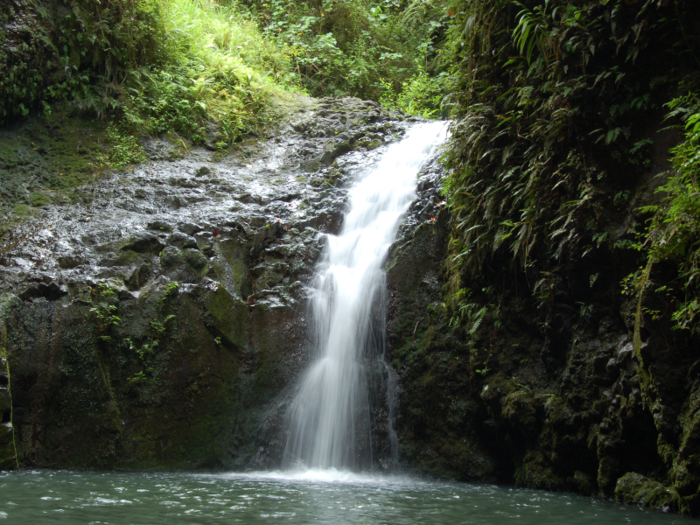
{"x":23,"y":58}
{"x":673,"y":234}
{"x":59,"y":49}
{"x":548,"y":99}
{"x":355,"y":47}
{"x":420,"y":95}
{"x":124,"y":149}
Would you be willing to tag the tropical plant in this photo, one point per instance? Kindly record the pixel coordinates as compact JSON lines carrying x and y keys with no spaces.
{"x":550,"y":101}
{"x":104,"y":309}
{"x":356,"y":47}
{"x":673,"y":233}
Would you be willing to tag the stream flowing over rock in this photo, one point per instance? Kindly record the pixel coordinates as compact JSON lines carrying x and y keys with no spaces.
{"x":330,"y":423}
{"x":161,"y":323}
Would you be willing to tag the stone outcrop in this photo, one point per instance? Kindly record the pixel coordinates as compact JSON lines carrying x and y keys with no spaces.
{"x":159,"y":322}
{"x":635,"y":489}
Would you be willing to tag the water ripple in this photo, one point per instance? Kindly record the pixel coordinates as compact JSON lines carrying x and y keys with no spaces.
{"x":326,"y":497}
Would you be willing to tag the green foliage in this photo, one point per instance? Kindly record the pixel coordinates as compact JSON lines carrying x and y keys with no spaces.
{"x":39,"y":199}
{"x":22,"y":60}
{"x":538,"y":88}
{"x":553,"y":102}
{"x":172,"y":289}
{"x":534,"y":31}
{"x":190,"y":67}
{"x":104,"y":309}
{"x":366,"y":48}
{"x":204,"y":71}
{"x":673,"y":234}
{"x":123,"y":149}
{"x":221,"y":72}
{"x":420,"y":95}
{"x":484,"y":370}
{"x":76,"y":48}
{"x":468,"y":313}
{"x":147,"y":349}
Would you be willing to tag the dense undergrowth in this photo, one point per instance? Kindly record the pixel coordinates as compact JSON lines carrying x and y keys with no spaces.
{"x":384,"y":50}
{"x":182,"y":65}
{"x":673,"y":232}
{"x":152,"y":66}
{"x":557,"y":106}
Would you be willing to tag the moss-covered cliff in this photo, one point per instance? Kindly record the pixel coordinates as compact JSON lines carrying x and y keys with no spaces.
{"x":549,"y":339}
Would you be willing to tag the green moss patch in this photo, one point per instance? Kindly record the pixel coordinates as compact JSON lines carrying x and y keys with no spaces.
{"x":44,"y":161}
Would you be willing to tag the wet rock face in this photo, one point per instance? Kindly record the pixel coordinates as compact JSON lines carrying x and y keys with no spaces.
{"x":536,"y":411}
{"x":435,"y":410}
{"x":162,"y":324}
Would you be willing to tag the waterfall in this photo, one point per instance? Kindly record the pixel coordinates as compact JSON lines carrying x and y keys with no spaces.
{"x":329,"y":417}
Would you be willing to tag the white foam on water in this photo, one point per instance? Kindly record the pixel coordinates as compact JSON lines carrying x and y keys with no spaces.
{"x":331,"y":475}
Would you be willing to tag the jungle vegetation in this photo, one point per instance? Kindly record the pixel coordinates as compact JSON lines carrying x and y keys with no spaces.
{"x":561,"y":108}
{"x":157,"y":66}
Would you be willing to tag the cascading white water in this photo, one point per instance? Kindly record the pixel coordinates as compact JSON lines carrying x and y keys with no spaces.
{"x":329,"y":417}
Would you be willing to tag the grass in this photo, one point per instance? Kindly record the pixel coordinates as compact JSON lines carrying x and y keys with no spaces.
{"x":218,"y":80}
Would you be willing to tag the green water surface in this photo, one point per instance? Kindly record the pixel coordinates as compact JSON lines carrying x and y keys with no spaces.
{"x":136,"y":498}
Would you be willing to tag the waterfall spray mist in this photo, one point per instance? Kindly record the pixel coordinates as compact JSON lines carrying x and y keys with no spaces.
{"x":329,"y":418}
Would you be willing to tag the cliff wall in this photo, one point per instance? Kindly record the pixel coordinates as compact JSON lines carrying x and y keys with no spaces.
{"x":159,"y":320}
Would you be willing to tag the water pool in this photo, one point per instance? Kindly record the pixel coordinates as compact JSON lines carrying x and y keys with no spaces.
{"x":324,"y":497}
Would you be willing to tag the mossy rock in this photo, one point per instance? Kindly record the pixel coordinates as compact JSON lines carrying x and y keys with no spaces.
{"x":232,"y":266}
{"x":39,"y":199}
{"x":197,"y":261}
{"x":369,"y":143}
{"x":636,"y":489}
{"x":4,"y":399}
{"x":7,"y":449}
{"x":537,"y":472}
